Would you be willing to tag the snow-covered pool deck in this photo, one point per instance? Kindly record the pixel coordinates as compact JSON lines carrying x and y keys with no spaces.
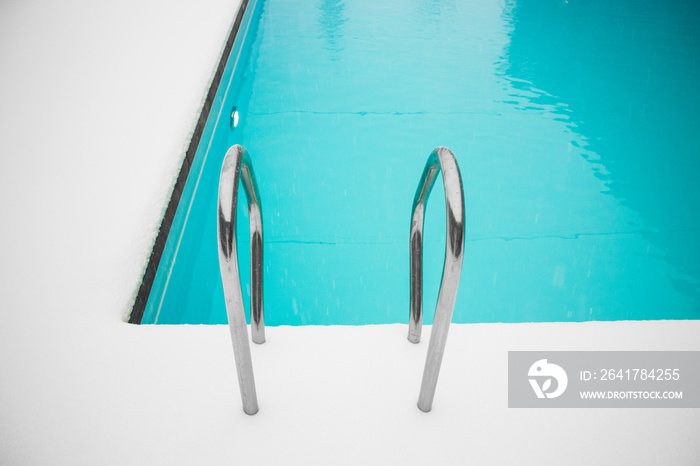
{"x":96,"y":102}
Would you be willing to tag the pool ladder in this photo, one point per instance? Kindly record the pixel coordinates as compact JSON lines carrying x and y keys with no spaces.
{"x":441,"y":159}
{"x":238,"y":165}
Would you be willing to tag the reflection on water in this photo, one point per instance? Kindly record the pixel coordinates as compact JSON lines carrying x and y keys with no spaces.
{"x":433,"y":11}
{"x":331,"y":19}
{"x":624,"y":77}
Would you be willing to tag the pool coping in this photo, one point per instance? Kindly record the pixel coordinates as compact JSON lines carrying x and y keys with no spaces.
{"x":139,"y":306}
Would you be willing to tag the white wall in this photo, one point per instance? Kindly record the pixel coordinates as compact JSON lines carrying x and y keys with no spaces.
{"x":97,"y":101}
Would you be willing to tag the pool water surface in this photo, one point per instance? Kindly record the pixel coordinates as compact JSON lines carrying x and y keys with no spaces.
{"x":574,"y":124}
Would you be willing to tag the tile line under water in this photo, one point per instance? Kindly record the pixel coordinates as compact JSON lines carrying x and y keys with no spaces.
{"x":515,"y":111}
{"x":579,"y":235}
{"x":363,"y":113}
{"x":475,"y":238}
{"x":199,"y":175}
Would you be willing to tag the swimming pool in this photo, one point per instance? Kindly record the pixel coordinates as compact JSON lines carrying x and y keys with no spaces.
{"x":574,"y":125}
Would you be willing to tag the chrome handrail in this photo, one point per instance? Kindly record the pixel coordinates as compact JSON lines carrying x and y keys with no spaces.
{"x":237,"y":164}
{"x":440,"y":159}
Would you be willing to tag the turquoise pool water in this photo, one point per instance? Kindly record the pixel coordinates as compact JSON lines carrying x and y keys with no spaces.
{"x":574,"y":124}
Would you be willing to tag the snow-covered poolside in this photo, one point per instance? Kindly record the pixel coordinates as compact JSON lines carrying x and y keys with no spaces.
{"x":96,"y":104}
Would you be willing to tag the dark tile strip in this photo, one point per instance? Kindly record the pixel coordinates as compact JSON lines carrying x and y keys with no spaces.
{"x":165,"y":225}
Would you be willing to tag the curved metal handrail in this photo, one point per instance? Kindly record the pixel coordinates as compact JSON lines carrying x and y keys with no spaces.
{"x":237,"y":164}
{"x":440,"y":159}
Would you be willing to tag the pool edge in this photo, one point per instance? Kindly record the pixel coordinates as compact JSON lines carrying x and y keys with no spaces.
{"x":149,"y":274}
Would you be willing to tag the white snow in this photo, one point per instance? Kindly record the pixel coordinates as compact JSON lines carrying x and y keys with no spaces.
{"x":96,"y":104}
